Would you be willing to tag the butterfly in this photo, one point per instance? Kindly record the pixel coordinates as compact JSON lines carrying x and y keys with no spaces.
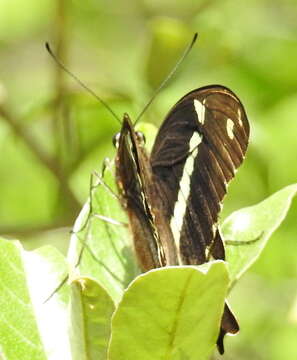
{"x":173,"y":196}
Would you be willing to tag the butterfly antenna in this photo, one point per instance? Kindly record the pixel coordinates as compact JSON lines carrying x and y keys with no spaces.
{"x":90,"y":91}
{"x":168,"y":77}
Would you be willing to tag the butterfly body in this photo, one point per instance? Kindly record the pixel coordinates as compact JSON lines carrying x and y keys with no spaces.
{"x":153,"y":240}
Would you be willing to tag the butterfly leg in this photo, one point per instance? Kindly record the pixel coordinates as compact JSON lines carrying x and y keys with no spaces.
{"x":66,"y":277}
{"x":96,"y":179}
{"x":105,"y":165}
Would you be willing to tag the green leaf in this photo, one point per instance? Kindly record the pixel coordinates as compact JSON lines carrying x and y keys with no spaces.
{"x":170,"y":313}
{"x":256,"y":223}
{"x":91,"y":311}
{"x":101,"y":231}
{"x":29,"y":328}
{"x":20,"y":338}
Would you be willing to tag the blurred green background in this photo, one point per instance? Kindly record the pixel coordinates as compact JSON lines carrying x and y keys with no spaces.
{"x":53,"y":133}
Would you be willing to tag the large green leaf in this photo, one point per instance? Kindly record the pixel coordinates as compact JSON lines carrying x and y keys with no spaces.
{"x":29,"y":328}
{"x":91,"y":311}
{"x":170,"y":313}
{"x":101,"y":235}
{"x":20,"y":338}
{"x":253,"y":226}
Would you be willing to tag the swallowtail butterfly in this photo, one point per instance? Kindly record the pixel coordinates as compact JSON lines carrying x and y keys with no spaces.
{"x":173,"y":197}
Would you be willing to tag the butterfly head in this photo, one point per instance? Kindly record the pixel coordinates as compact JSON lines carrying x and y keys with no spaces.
{"x":139,"y":136}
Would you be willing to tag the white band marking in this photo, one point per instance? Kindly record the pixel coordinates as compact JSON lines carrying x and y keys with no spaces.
{"x":230,"y":126}
{"x":200,"y":110}
{"x":180,"y":207}
{"x":239,"y":117}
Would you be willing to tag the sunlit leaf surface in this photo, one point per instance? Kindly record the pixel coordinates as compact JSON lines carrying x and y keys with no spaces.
{"x":253,"y":226}
{"x":91,"y":311}
{"x":29,"y":328}
{"x":170,"y":313}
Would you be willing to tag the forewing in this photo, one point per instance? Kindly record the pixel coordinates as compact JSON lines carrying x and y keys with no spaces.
{"x":130,"y":174}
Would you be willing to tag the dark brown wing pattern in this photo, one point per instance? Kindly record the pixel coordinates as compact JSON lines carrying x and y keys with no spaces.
{"x":153,"y":242}
{"x":174,"y":198}
{"x":198,"y":148}
{"x":130,"y":171}
{"x":194,"y":180}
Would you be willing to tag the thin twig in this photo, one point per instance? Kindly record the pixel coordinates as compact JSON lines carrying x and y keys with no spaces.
{"x":24,"y":232}
{"x":41,"y":155}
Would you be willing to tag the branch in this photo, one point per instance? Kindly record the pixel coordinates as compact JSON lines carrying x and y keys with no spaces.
{"x":41,"y":156}
{"x":22,"y":232}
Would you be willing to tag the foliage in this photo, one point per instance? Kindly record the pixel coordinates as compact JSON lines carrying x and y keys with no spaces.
{"x":104,"y":313}
{"x":53,"y":134}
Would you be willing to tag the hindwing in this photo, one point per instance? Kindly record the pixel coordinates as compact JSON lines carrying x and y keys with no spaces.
{"x":199,"y":146}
